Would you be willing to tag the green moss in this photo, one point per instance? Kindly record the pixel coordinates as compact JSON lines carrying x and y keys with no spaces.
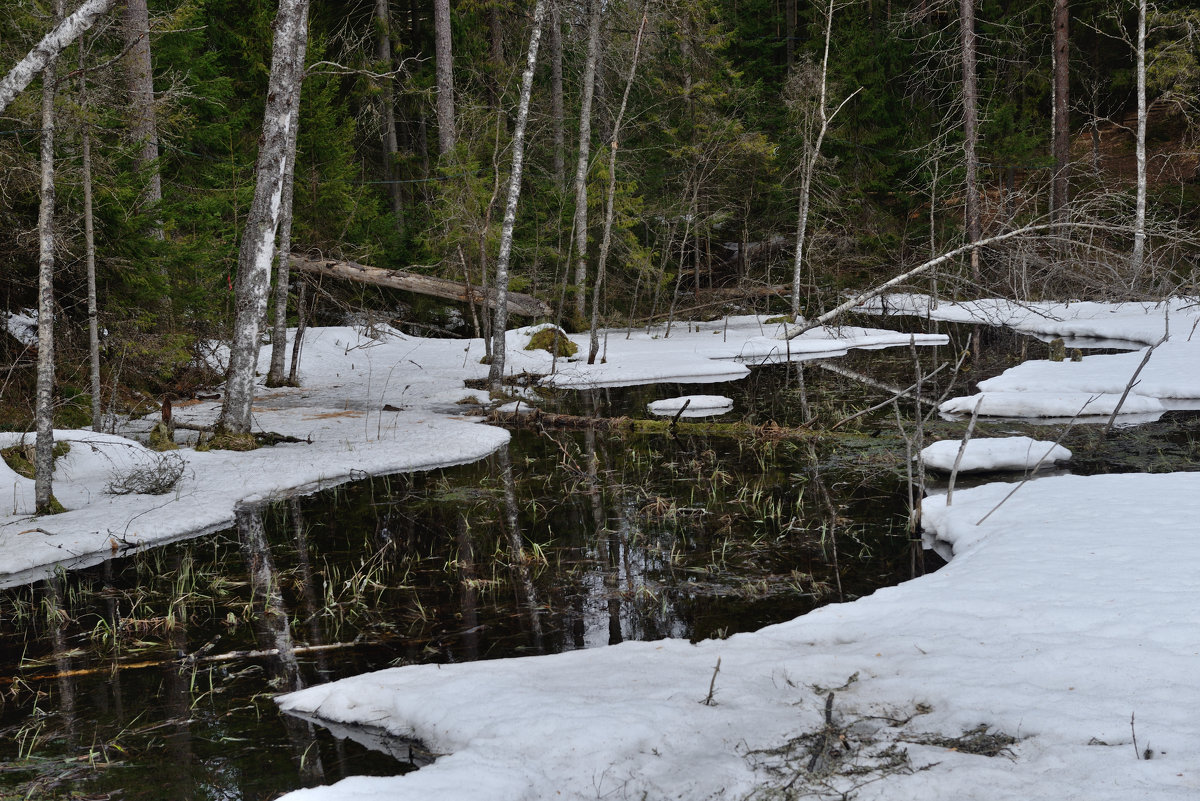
{"x":549,"y":338}
{"x":229,"y":441}
{"x":20,"y":457}
{"x":161,"y":438}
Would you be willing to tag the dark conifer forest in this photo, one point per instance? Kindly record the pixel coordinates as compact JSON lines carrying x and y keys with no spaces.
{"x":771,"y":155}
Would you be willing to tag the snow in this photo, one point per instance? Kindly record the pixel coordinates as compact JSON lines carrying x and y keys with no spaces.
{"x":1069,"y":610}
{"x":707,"y":352}
{"x":993,"y":453}
{"x":691,"y":406}
{"x":1066,"y":613}
{"x":1143,"y":323}
{"x":1062,"y":617}
{"x":23,"y":326}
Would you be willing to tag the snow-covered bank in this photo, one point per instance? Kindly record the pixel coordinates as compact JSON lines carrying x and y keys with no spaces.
{"x":1143,"y":323}
{"x":1071,"y":609}
{"x":1064,"y":620}
{"x":366,"y":407}
{"x":719,"y":350}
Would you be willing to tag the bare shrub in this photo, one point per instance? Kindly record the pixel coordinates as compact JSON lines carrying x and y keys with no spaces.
{"x":156,"y":478}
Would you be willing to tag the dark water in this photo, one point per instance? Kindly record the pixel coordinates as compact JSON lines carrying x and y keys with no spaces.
{"x":151,"y":676}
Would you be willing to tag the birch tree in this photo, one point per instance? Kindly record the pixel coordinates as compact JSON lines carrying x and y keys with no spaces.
{"x":1138,"y":259}
{"x":496,"y":370}
{"x":606,"y":237}
{"x":258,"y":237}
{"x":275,"y":377}
{"x":581,"y":164}
{"x":43,"y":459}
{"x":812,"y":154}
{"x":43,"y":54}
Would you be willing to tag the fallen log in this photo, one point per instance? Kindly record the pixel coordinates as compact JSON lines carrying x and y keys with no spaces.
{"x":518,"y":303}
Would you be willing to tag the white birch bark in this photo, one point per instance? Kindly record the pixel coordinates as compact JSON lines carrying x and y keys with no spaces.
{"x":606,"y":237}
{"x":257,"y":249}
{"x":51,"y":45}
{"x":444,"y":68}
{"x":496,"y":370}
{"x":809,"y":166}
{"x":43,"y":459}
{"x":1139,"y":220}
{"x":581,"y":166}
{"x":275,"y":376}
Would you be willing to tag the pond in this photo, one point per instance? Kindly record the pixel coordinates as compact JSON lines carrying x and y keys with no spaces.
{"x":151,"y":676}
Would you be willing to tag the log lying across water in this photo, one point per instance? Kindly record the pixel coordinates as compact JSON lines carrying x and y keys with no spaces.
{"x":518,"y":303}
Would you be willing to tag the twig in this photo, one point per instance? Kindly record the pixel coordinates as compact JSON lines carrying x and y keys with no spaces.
{"x":708,"y":701}
{"x":1034,"y":469}
{"x":1132,"y":383}
{"x":678,"y":414}
{"x":962,"y":448}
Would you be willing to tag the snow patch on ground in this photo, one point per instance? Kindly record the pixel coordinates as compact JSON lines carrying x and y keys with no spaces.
{"x":691,"y":406}
{"x":993,"y":453}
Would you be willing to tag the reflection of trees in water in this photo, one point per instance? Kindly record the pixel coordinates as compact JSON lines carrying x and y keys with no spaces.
{"x":274,"y":633}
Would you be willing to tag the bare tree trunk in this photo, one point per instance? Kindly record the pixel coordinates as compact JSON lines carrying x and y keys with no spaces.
{"x":556,"y":93}
{"x":391,"y":142}
{"x":283,"y":262}
{"x":1139,"y":221}
{"x":298,"y":341}
{"x":496,"y":370}
{"x":65,"y":32}
{"x":43,"y":460}
{"x":606,"y":238}
{"x":89,"y":243}
{"x":581,"y":166}
{"x":143,"y":119}
{"x":809,"y":166}
{"x":258,"y":237}
{"x":1061,"y":113}
{"x":970,"y":101}
{"x":444,"y":58}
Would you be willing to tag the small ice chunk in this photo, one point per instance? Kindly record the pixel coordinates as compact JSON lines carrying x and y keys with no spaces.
{"x":697,"y":405}
{"x":993,"y":453}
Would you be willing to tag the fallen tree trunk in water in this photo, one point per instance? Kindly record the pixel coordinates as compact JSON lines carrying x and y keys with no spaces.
{"x":518,"y":303}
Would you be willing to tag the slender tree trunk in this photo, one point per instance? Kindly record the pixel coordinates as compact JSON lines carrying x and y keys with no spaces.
{"x":606,"y":238}
{"x":298,"y":341}
{"x":143,"y":119}
{"x":581,"y":165}
{"x":496,"y":370}
{"x":1139,"y":221}
{"x":1061,"y":113}
{"x":89,"y":244}
{"x":43,"y":460}
{"x":443,"y":56}
{"x":63,"y":33}
{"x":391,"y":142}
{"x":283,"y":261}
{"x":556,"y":93}
{"x":809,"y":166}
{"x":970,"y":101}
{"x":258,"y":237}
